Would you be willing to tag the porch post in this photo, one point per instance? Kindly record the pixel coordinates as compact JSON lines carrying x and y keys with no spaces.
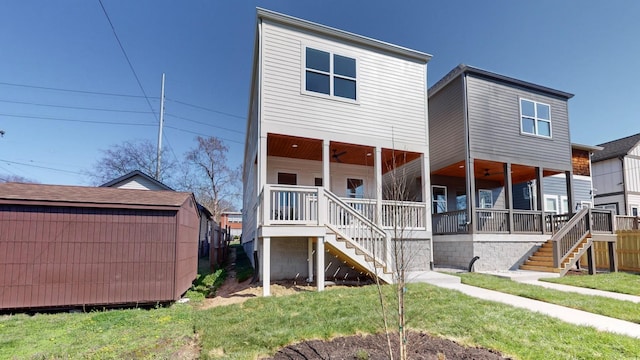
{"x":426,"y":185}
{"x":326,"y":165}
{"x":320,"y":263}
{"x":262,"y":164}
{"x":266,"y":266}
{"x":508,"y":191}
{"x":310,"y":259}
{"x":570,"y":196}
{"x":540,"y":197}
{"x":591,"y":259}
{"x":377,"y":169}
{"x":471,"y":196}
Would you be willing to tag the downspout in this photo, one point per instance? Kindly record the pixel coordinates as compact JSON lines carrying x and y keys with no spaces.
{"x":624,"y":185}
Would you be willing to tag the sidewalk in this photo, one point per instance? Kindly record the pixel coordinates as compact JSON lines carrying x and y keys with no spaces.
{"x":569,"y":315}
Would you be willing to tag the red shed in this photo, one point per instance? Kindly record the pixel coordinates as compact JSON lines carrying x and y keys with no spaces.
{"x":63,"y":246}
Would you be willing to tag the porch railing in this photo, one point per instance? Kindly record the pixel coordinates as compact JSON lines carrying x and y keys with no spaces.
{"x":403,"y":214}
{"x":452,"y":222}
{"x":284,"y":204}
{"x":627,"y":222}
{"x":527,"y":221}
{"x":602,"y":221}
{"x":492,"y":220}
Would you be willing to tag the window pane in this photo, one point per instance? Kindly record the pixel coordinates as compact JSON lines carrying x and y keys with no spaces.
{"x":528,"y":126}
{"x":344,"y":88}
{"x":543,"y":111}
{"x":544,"y":128}
{"x":287,"y":179}
{"x":528,"y":108}
{"x":317,"y":82}
{"x":355,"y":188}
{"x":345,"y":66}
{"x":486,"y":199}
{"x":318,"y":60}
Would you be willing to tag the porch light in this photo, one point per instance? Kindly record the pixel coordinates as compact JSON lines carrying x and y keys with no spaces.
{"x":368,"y":154}
{"x":294,"y":146}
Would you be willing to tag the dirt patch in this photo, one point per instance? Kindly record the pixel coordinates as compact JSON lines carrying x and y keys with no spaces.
{"x":420,"y":346}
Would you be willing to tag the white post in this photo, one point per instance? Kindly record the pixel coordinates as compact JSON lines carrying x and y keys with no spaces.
{"x":377,"y":169}
{"x":320,"y":263}
{"x":158,"y":158}
{"x":310,"y":259}
{"x":326,"y":165}
{"x":266,"y":205}
{"x":266,"y":266}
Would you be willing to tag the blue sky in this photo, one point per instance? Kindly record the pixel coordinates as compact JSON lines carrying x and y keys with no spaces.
{"x":205,"y":48}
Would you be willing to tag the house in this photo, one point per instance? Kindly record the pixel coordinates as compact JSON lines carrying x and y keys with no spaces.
{"x":616,"y":176}
{"x":68,"y":246}
{"x":337,"y":125}
{"x":138,"y":180}
{"x":232,"y":220}
{"x":494,"y":142}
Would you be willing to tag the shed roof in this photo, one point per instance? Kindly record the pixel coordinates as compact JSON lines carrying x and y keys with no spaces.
{"x":466,"y":69}
{"x":341,"y":34}
{"x":90,"y":195}
{"x":615,"y":148}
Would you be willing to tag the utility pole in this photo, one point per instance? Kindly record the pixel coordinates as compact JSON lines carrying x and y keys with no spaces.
{"x":158,"y":158}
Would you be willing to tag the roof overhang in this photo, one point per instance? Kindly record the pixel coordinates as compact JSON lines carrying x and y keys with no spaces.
{"x":341,"y":34}
{"x":590,"y":148}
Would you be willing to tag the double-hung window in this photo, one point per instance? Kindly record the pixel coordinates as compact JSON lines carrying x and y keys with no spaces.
{"x":535,"y":118}
{"x":330,"y":74}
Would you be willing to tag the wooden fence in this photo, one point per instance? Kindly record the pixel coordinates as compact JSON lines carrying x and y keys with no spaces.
{"x":627,"y":249}
{"x":220,"y":239}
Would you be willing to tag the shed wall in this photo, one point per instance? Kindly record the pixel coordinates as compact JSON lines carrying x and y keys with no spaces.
{"x":69,"y":256}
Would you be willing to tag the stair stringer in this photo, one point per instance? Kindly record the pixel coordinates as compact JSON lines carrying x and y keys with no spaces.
{"x":585,"y":244}
{"x":357,"y":256}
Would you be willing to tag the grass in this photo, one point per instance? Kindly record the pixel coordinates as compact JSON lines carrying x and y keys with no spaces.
{"x":117,"y":334}
{"x":623,"y":310}
{"x":261,"y":326}
{"x":243,"y":267}
{"x":620,"y":282}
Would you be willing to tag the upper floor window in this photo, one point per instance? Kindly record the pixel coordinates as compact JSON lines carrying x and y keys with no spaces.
{"x":535,"y":118}
{"x":330,"y":74}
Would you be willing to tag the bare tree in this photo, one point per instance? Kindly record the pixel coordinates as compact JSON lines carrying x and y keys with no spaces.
{"x":16,"y":178}
{"x":128,"y":156}
{"x":215,"y":183}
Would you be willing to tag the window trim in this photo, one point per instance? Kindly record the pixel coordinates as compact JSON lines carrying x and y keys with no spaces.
{"x":556,"y":199}
{"x":535,"y":119}
{"x":480,"y":191}
{"x":632,"y":207}
{"x":433,"y":200}
{"x":332,"y":75}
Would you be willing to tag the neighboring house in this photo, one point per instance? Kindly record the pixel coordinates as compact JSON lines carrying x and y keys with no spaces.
{"x":616,"y":176}
{"x":335,"y":120}
{"x":67,"y":246}
{"x":492,"y":136}
{"x":138,"y":180}
{"x":232,"y":220}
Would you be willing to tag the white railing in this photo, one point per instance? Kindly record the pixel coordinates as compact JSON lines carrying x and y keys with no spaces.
{"x":366,"y":207}
{"x":403,"y":214}
{"x":284,"y":204}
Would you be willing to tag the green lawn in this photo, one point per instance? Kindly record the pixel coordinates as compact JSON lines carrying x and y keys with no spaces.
{"x":620,"y":282}
{"x":623,"y":310}
{"x":262,"y":325}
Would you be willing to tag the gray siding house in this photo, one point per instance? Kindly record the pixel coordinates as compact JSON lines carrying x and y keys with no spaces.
{"x":490,"y":136}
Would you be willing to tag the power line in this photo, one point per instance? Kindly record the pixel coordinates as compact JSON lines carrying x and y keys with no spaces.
{"x":203,"y":123}
{"x":206,"y":109}
{"x":127,"y":58}
{"x":40,"y":167}
{"x":72,"y":90}
{"x":74,"y":107}
{"x":201,"y":134}
{"x":75,"y":120}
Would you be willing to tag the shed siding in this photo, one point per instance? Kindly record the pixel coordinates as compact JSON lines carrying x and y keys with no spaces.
{"x":391,"y":92}
{"x":447,"y":126}
{"x":186,"y":248}
{"x":494,"y":126}
{"x":70,"y":256}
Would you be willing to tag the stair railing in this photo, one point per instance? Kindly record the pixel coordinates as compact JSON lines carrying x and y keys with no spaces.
{"x":567,"y":238}
{"x":353,"y":226}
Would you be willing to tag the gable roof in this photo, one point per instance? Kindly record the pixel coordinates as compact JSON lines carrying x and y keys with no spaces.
{"x":466,"y":69}
{"x":341,"y":34}
{"x":87,"y":196}
{"x":133,"y":174}
{"x":615,"y":148}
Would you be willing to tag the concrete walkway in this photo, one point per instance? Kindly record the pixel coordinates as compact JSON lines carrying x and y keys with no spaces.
{"x":566,"y":314}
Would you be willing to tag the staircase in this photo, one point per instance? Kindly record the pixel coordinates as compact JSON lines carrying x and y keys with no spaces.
{"x":354,"y":238}
{"x":569,"y":242}
{"x":542,"y":260}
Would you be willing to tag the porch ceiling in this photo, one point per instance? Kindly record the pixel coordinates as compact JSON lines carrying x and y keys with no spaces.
{"x":493,"y":171}
{"x":311,"y":149}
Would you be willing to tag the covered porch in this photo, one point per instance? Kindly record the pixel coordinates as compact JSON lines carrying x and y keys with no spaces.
{"x":508,"y":198}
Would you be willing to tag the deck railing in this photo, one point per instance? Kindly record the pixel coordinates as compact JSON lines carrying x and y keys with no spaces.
{"x":492,"y":220}
{"x":452,"y":222}
{"x":528,"y":221}
{"x":403,"y":214}
{"x":627,"y":222}
{"x":283,"y":204}
{"x":602,"y":221}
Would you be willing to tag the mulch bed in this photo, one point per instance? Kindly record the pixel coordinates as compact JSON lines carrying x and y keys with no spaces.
{"x":420,"y":346}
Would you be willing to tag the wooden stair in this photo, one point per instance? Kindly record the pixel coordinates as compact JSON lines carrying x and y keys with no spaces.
{"x":346,"y":250}
{"x":542,"y":260}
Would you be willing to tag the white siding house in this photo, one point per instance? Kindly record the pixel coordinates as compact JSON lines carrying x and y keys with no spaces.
{"x":616,"y":176}
{"x":334,"y":120}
